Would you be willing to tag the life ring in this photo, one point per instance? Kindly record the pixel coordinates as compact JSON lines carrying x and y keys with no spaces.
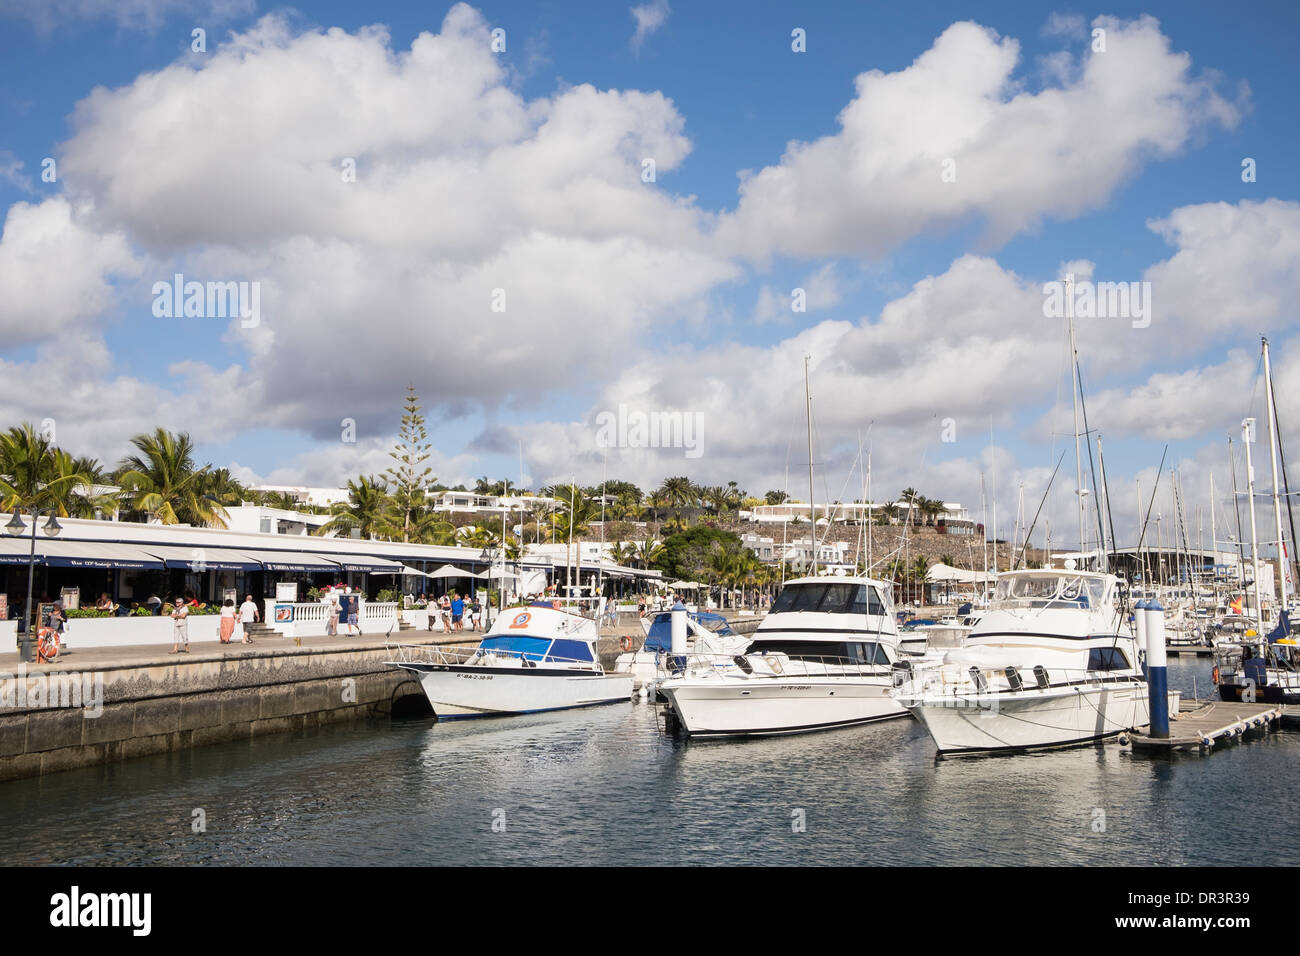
{"x":1214,"y":675}
{"x":626,"y":643}
{"x":47,"y":644}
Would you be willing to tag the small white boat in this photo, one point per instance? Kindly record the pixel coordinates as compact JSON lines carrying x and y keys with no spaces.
{"x":1052,"y":663}
{"x":706,"y":633}
{"x":823,"y":657}
{"x":533,"y":659}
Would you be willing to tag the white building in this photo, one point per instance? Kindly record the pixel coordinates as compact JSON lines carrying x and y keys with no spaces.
{"x":322,"y":497}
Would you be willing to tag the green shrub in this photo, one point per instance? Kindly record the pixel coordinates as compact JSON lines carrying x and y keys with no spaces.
{"x":85,"y":612}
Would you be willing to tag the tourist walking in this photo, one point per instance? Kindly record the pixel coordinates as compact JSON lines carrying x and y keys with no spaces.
{"x":457,"y":611}
{"x":353,"y":617}
{"x":227,"y":621}
{"x":431,"y":609}
{"x":180,"y":626}
{"x":332,"y":620}
{"x":475,"y":612}
{"x":247,"y":615}
{"x":444,"y":606}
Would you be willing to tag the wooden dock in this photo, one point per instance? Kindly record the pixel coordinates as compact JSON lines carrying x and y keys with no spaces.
{"x":1201,"y":724}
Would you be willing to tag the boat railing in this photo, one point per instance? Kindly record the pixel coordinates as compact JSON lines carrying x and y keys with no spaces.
{"x":957,"y":681}
{"x":486,"y":657}
{"x":774,"y":665}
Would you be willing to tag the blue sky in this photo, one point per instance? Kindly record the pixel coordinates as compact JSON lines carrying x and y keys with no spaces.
{"x":740,"y":95}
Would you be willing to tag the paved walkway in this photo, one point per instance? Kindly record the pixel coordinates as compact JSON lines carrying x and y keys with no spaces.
{"x":81,"y":658}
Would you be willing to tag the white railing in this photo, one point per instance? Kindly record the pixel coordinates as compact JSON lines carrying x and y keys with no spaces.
{"x":774,"y":665}
{"x":483,"y":657}
{"x":950,"y":680}
{"x":375,"y":612}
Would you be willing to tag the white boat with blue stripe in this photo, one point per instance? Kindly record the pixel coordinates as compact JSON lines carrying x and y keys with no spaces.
{"x":534,"y":658}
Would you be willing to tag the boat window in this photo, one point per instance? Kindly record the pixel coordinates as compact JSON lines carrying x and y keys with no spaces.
{"x":570,"y":651}
{"x":855,"y":652}
{"x":515,"y":645}
{"x":1107,"y":659}
{"x":829,"y":598}
{"x":799,"y":597}
{"x":1039,"y":589}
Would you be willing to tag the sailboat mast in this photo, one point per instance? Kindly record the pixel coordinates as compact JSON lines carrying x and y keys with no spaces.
{"x":1236,"y":508}
{"x":993,"y":493}
{"x":1074,"y":394}
{"x":812,"y":507}
{"x":1247,"y":436}
{"x":1283,"y":566}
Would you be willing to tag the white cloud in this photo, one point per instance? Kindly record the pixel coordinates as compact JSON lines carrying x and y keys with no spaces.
{"x":145,"y":15}
{"x":649,"y":18}
{"x":462,"y":188}
{"x":1067,"y":25}
{"x":1237,"y":269}
{"x":54,"y":271}
{"x":1018,"y":157}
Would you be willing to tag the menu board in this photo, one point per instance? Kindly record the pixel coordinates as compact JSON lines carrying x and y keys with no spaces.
{"x":286,"y":591}
{"x":71,"y":598}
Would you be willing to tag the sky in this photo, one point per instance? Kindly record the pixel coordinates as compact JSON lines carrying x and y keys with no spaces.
{"x":559,"y":220}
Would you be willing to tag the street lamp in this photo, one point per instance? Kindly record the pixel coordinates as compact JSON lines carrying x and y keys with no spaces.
{"x":14,"y":528}
{"x":488,"y":556}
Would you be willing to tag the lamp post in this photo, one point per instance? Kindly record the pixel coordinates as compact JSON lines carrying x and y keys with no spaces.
{"x":14,"y":528}
{"x":489,"y":555}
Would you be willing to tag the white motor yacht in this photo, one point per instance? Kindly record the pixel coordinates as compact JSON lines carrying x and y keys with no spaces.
{"x":1052,"y":662}
{"x":534,"y":658}
{"x":823,"y":657}
{"x":706,"y":633}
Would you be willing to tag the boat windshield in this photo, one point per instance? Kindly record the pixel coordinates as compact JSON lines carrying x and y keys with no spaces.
{"x":1038,"y":590}
{"x":829,"y":598}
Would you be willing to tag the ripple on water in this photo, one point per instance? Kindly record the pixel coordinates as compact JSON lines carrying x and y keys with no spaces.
{"x":606,"y":786}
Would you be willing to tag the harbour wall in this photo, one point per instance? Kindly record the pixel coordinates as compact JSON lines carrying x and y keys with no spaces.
{"x":61,"y":718}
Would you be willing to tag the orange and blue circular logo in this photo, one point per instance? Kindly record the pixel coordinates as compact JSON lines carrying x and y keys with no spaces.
{"x":521,"y":620}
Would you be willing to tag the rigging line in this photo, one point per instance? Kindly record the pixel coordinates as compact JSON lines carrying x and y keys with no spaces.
{"x":1236,"y":507}
{"x":1286,"y":484}
{"x":1110,"y":514}
{"x":1092,"y":468}
{"x":1033,"y":523}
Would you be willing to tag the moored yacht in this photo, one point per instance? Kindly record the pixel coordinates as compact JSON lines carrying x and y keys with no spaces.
{"x":1052,"y":662}
{"x":534,"y":658}
{"x":706,"y":633}
{"x":823,"y":657}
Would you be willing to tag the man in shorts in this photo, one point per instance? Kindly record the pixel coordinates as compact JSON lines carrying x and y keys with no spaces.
{"x":458,"y":612}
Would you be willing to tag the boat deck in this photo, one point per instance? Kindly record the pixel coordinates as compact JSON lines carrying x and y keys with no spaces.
{"x":1201,"y":724}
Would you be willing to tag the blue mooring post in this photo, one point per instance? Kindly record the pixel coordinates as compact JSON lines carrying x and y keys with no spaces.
{"x":1140,"y":631}
{"x":1157,"y":672}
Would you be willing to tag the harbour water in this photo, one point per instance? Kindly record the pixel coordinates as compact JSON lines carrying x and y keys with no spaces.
{"x":604,"y":786}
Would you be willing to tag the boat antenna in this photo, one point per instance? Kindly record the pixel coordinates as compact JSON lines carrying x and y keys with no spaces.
{"x":812,"y":506}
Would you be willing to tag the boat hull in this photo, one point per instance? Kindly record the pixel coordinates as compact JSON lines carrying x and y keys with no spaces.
{"x":467,"y":691}
{"x":1032,"y":719}
{"x":773,"y":707}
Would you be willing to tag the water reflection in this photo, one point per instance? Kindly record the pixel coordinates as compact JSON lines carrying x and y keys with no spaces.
{"x":606,"y":786}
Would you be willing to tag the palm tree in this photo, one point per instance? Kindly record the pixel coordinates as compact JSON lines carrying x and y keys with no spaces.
{"x":219,"y":485}
{"x":680,"y":492}
{"x":162,"y":481}
{"x":36,"y":474}
{"x":366,"y":509}
{"x":648,"y":552}
{"x":920,"y":565}
{"x":573,"y":520}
